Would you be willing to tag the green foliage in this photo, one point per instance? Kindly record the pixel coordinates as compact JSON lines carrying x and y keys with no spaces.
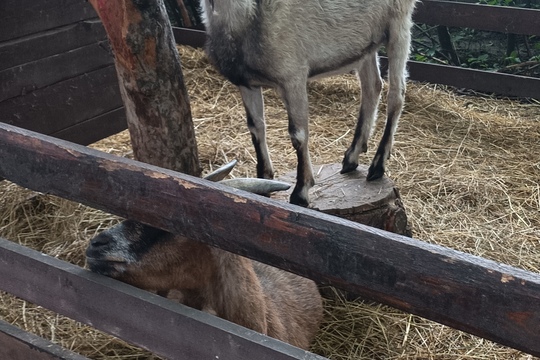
{"x":478,"y":62}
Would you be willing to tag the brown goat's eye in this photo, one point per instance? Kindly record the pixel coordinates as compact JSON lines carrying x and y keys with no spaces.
{"x":143,"y":237}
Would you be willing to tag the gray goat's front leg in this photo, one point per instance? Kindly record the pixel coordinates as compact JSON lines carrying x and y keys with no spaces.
{"x":295,"y":98}
{"x":254,"y":105}
{"x":371,"y":85}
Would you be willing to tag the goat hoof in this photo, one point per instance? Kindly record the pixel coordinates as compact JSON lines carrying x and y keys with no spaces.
{"x":375,"y":172}
{"x":296,"y":199}
{"x":348,"y":167}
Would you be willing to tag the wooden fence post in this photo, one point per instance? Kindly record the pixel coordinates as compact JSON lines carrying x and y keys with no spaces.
{"x":151,"y":83}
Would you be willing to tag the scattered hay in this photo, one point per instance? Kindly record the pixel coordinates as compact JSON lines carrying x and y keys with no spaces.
{"x":468,"y":169}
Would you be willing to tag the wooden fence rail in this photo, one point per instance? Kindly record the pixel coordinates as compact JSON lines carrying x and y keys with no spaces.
{"x":482,"y":297}
{"x":149,"y":321}
{"x":16,"y":344}
{"x":503,"y":19}
{"x":495,"y":301}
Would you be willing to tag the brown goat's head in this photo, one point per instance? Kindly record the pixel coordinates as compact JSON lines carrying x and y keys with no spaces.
{"x":154,"y":259}
{"x":149,"y":258}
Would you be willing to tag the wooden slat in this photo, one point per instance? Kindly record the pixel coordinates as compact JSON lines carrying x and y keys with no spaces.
{"x":486,"y":81}
{"x":23,"y":17}
{"x":154,"y":323}
{"x":64,"y":104}
{"x":190,"y":37}
{"x":51,"y":42}
{"x":41,"y":73}
{"x":485,"y":298}
{"x":95,"y":129}
{"x":482,"y":17}
{"x":17,"y":344}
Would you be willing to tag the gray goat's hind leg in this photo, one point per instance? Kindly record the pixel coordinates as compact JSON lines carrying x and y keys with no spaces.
{"x":398,"y":52}
{"x":371,"y":84}
{"x":254,"y":105}
{"x":296,"y":100}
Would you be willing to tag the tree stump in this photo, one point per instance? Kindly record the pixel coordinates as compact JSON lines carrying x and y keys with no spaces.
{"x":375,"y":203}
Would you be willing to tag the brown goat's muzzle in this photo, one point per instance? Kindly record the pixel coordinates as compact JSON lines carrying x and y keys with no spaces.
{"x":102,"y":258}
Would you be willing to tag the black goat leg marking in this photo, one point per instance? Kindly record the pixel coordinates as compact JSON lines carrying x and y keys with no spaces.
{"x":261,"y":167}
{"x":377,"y":167}
{"x":350,"y":161}
{"x":299,"y":196}
{"x":254,"y":106}
{"x":371,"y":84}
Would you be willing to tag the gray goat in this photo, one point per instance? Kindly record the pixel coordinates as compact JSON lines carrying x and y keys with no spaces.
{"x":284,"y":43}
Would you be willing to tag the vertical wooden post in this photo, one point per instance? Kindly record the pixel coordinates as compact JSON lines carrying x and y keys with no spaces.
{"x":151,"y":83}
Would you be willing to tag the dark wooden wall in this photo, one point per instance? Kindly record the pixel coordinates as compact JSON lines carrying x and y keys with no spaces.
{"x":57,"y":74}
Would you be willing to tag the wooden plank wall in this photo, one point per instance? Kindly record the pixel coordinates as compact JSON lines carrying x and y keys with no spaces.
{"x":57,"y":74}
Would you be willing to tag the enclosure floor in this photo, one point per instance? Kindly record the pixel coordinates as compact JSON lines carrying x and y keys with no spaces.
{"x":468,"y":170}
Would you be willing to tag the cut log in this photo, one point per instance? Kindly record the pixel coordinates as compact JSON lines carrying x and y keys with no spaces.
{"x":350,"y":196}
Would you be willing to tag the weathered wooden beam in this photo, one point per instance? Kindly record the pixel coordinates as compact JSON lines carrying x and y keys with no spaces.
{"x":479,"y":296}
{"x":503,"y":19}
{"x":17,"y":344}
{"x":139,"y":317}
{"x":151,"y":83}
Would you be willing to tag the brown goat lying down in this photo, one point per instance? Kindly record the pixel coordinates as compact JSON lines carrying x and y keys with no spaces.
{"x":260,"y":297}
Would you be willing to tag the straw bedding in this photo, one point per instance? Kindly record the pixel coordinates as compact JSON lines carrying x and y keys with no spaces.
{"x":468,"y":168}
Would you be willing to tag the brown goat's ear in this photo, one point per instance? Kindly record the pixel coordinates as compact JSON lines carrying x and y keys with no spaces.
{"x":257,"y":186}
{"x":221,"y":173}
